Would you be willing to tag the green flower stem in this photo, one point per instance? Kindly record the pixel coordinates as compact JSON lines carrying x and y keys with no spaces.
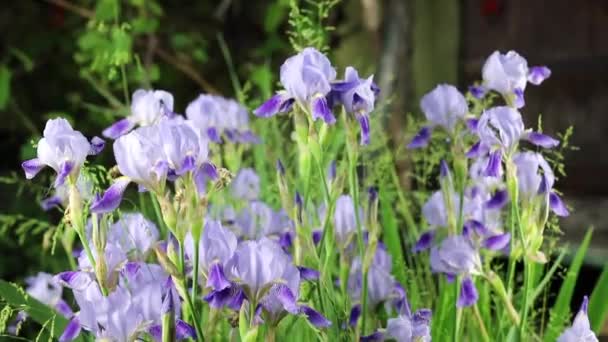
{"x":482,"y":326}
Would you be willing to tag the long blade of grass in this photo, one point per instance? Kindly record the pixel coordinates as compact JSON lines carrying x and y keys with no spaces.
{"x":559,"y":314}
{"x":598,"y":304}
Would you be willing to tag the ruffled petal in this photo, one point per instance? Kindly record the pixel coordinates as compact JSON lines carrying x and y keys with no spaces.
{"x":210,"y":171}
{"x":213,"y":135}
{"x":111,"y":198}
{"x":477,"y":150}
{"x":118,"y":128}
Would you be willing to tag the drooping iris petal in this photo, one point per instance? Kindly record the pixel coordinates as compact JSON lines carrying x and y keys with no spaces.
{"x":494,"y":166}
{"x":355,"y":313}
{"x":64,"y":171}
{"x":541,"y":140}
{"x":478,"y":92}
{"x":72,"y":330}
{"x":97,"y":145}
{"x":557,"y":205}
{"x":276,"y":104}
{"x":497,"y":242}
{"x":424,"y":242}
{"x":32,"y":167}
{"x":365,"y":129}
{"x":320,"y":110}
{"x":119,"y":128}
{"x":74,"y":279}
{"x":315,"y":317}
{"x":308,"y":273}
{"x":518,"y":98}
{"x":468,"y":293}
{"x":498,"y":200}
{"x":111,"y":198}
{"x":286,"y":297}
{"x":216,"y":278}
{"x":184,"y":330}
{"x":538,"y":74}
{"x":421,"y":139}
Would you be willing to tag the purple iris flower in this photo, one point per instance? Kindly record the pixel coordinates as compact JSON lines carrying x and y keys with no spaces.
{"x":128,"y":312}
{"x":61,"y":148}
{"x":61,"y":194}
{"x":435,"y":210}
{"x":381,"y":285}
{"x":345,"y":224}
{"x":535,"y":177}
{"x":217,"y":246}
{"x":410,"y":327}
{"x":508,"y":74}
{"x":257,"y":220}
{"x":216,"y":116}
{"x":246,"y":185}
{"x":46,"y":289}
{"x":135,"y":235}
{"x":358,"y":97}
{"x":501,"y":128}
{"x":306,"y":78}
{"x":456,"y":255}
{"x":444,"y":106}
{"x":147,"y":107}
{"x":580,"y":331}
{"x":150,"y":155}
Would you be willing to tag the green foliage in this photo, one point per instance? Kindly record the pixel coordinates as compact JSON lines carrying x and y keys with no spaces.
{"x":598,"y":305}
{"x":560,"y":312}
{"x":306,"y":19}
{"x":5,"y":86}
{"x":16,"y":297}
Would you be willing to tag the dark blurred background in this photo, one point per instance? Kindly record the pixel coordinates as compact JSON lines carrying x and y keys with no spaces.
{"x":58,"y":58}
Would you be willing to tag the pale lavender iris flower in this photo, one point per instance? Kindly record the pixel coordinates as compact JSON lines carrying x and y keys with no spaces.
{"x":246,"y":185}
{"x":306,"y":78}
{"x":444,"y":106}
{"x":147,"y":107}
{"x":61,"y":148}
{"x":218,"y":117}
{"x":580,"y":331}
{"x":508,"y":74}
{"x":535,"y":177}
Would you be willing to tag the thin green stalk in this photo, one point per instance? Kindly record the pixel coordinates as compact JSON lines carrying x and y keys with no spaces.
{"x":159,"y":216}
{"x":196,"y":271}
{"x":482,"y":326}
{"x":457,"y":314}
